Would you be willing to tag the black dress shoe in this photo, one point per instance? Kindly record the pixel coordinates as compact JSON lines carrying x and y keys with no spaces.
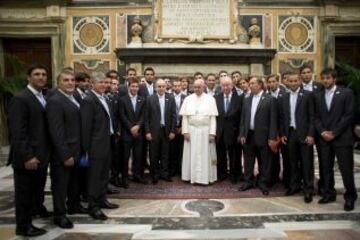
{"x":167,"y":179}
{"x":125,"y":183}
{"x":108,"y":205}
{"x":31,"y":231}
{"x":308,"y":198}
{"x":155,"y":181}
{"x":140,"y":180}
{"x":116,"y":182}
{"x":98,"y":214}
{"x":326,"y":200}
{"x":63,"y":222}
{"x":349,"y":205}
{"x":265,"y":192}
{"x":112,"y":190}
{"x":42,"y":212}
{"x":292,"y":191}
{"x":77,"y":210}
{"x":245,"y":187}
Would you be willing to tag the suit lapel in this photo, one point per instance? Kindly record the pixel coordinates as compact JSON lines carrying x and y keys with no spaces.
{"x":262,"y":98}
{"x":335,"y":98}
{"x":68,"y":101}
{"x":157,"y":104}
{"x":299,"y":99}
{"x":137,"y":108}
{"x":35,"y":99}
{"x":97,"y":100}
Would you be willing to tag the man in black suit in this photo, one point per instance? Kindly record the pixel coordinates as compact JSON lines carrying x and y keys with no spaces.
{"x":96,"y":129}
{"x":334,"y":115}
{"x":30,"y":150}
{"x":297,"y":133}
{"x":63,"y":114}
{"x":176,"y":145}
{"x":147,"y":89}
{"x":132,"y":113}
{"x":160,"y":123}
{"x":82,"y":80}
{"x":185,"y":86}
{"x":236,"y":77}
{"x":306,"y":74}
{"x":227,"y":130}
{"x":258,"y":132}
{"x":278,"y":91}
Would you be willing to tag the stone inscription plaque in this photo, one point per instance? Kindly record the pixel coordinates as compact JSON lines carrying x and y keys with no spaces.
{"x":196,"y":19}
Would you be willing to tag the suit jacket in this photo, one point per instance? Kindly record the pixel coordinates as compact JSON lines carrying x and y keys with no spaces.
{"x":339,"y":119}
{"x":123,"y":90}
{"x":65,"y":127}
{"x":153,"y":115}
{"x":317,"y":87}
{"x":227,"y":123}
{"x":143,"y":91}
{"x":129,"y":118}
{"x":265,"y":119}
{"x":113,"y":103}
{"x":28,"y":127}
{"x":182,"y":97}
{"x":95,"y":126}
{"x":304,"y":115}
{"x":77,"y":96}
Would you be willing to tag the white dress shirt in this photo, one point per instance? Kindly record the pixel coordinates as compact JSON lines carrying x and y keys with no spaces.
{"x":254,"y":104}
{"x":238,"y":90}
{"x":329,"y":94}
{"x":38,"y":95}
{"x":106,"y":106}
{"x":275,"y":93}
{"x":150,"y":88}
{"x":162,"y":109}
{"x":133,"y":101}
{"x":81,"y":92}
{"x":308,"y":86}
{"x":293,"y":100}
{"x":210,"y":92}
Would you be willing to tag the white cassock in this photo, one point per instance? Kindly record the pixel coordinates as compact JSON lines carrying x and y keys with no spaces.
{"x":199,"y":156}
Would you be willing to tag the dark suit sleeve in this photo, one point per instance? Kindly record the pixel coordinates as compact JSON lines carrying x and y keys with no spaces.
{"x":281,"y":115}
{"x":122,"y":114}
{"x":147,"y":116}
{"x":173,"y":115}
{"x":273,"y":134}
{"x":242,"y":120}
{"x":19,"y":125}
{"x":347,"y":117}
{"x":142,"y":115}
{"x":55,"y":118}
{"x":311,"y":112}
{"x":87,"y":111}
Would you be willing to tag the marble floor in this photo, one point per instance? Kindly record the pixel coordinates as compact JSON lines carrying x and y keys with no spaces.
{"x":245,"y":218}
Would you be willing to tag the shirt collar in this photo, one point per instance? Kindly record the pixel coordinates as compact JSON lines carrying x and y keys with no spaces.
{"x":332,"y":90}
{"x":33,"y":90}
{"x":65,"y":94}
{"x":149,"y":85}
{"x":229,"y":95}
{"x":259,"y":94}
{"x":276,"y":92}
{"x":163,"y":96}
{"x":131,"y":96}
{"x":100,"y":96}
{"x":296,"y":92}
{"x":308,"y":84}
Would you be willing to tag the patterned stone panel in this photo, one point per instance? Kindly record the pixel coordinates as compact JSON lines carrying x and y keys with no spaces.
{"x":293,"y":65}
{"x":146,"y":22}
{"x":91,"y":35}
{"x":89,"y":66}
{"x":296,"y":34}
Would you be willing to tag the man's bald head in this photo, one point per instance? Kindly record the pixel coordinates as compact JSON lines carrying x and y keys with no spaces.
{"x":160,"y":86}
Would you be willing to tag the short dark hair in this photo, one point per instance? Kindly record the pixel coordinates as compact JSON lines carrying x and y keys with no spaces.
{"x":34,"y":66}
{"x":272,"y":76}
{"x":222,"y":71}
{"x":198,"y":73}
{"x":183,"y":77}
{"x":329,"y":71}
{"x":132,"y":80}
{"x":130,"y":69}
{"x":108,"y":74}
{"x":81,"y":76}
{"x":258,"y":79}
{"x":210,"y":74}
{"x":149,"y":69}
{"x":236,"y":72}
{"x":304,"y":66}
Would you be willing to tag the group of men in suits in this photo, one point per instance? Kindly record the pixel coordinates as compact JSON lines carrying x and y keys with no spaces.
{"x":89,"y":126}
